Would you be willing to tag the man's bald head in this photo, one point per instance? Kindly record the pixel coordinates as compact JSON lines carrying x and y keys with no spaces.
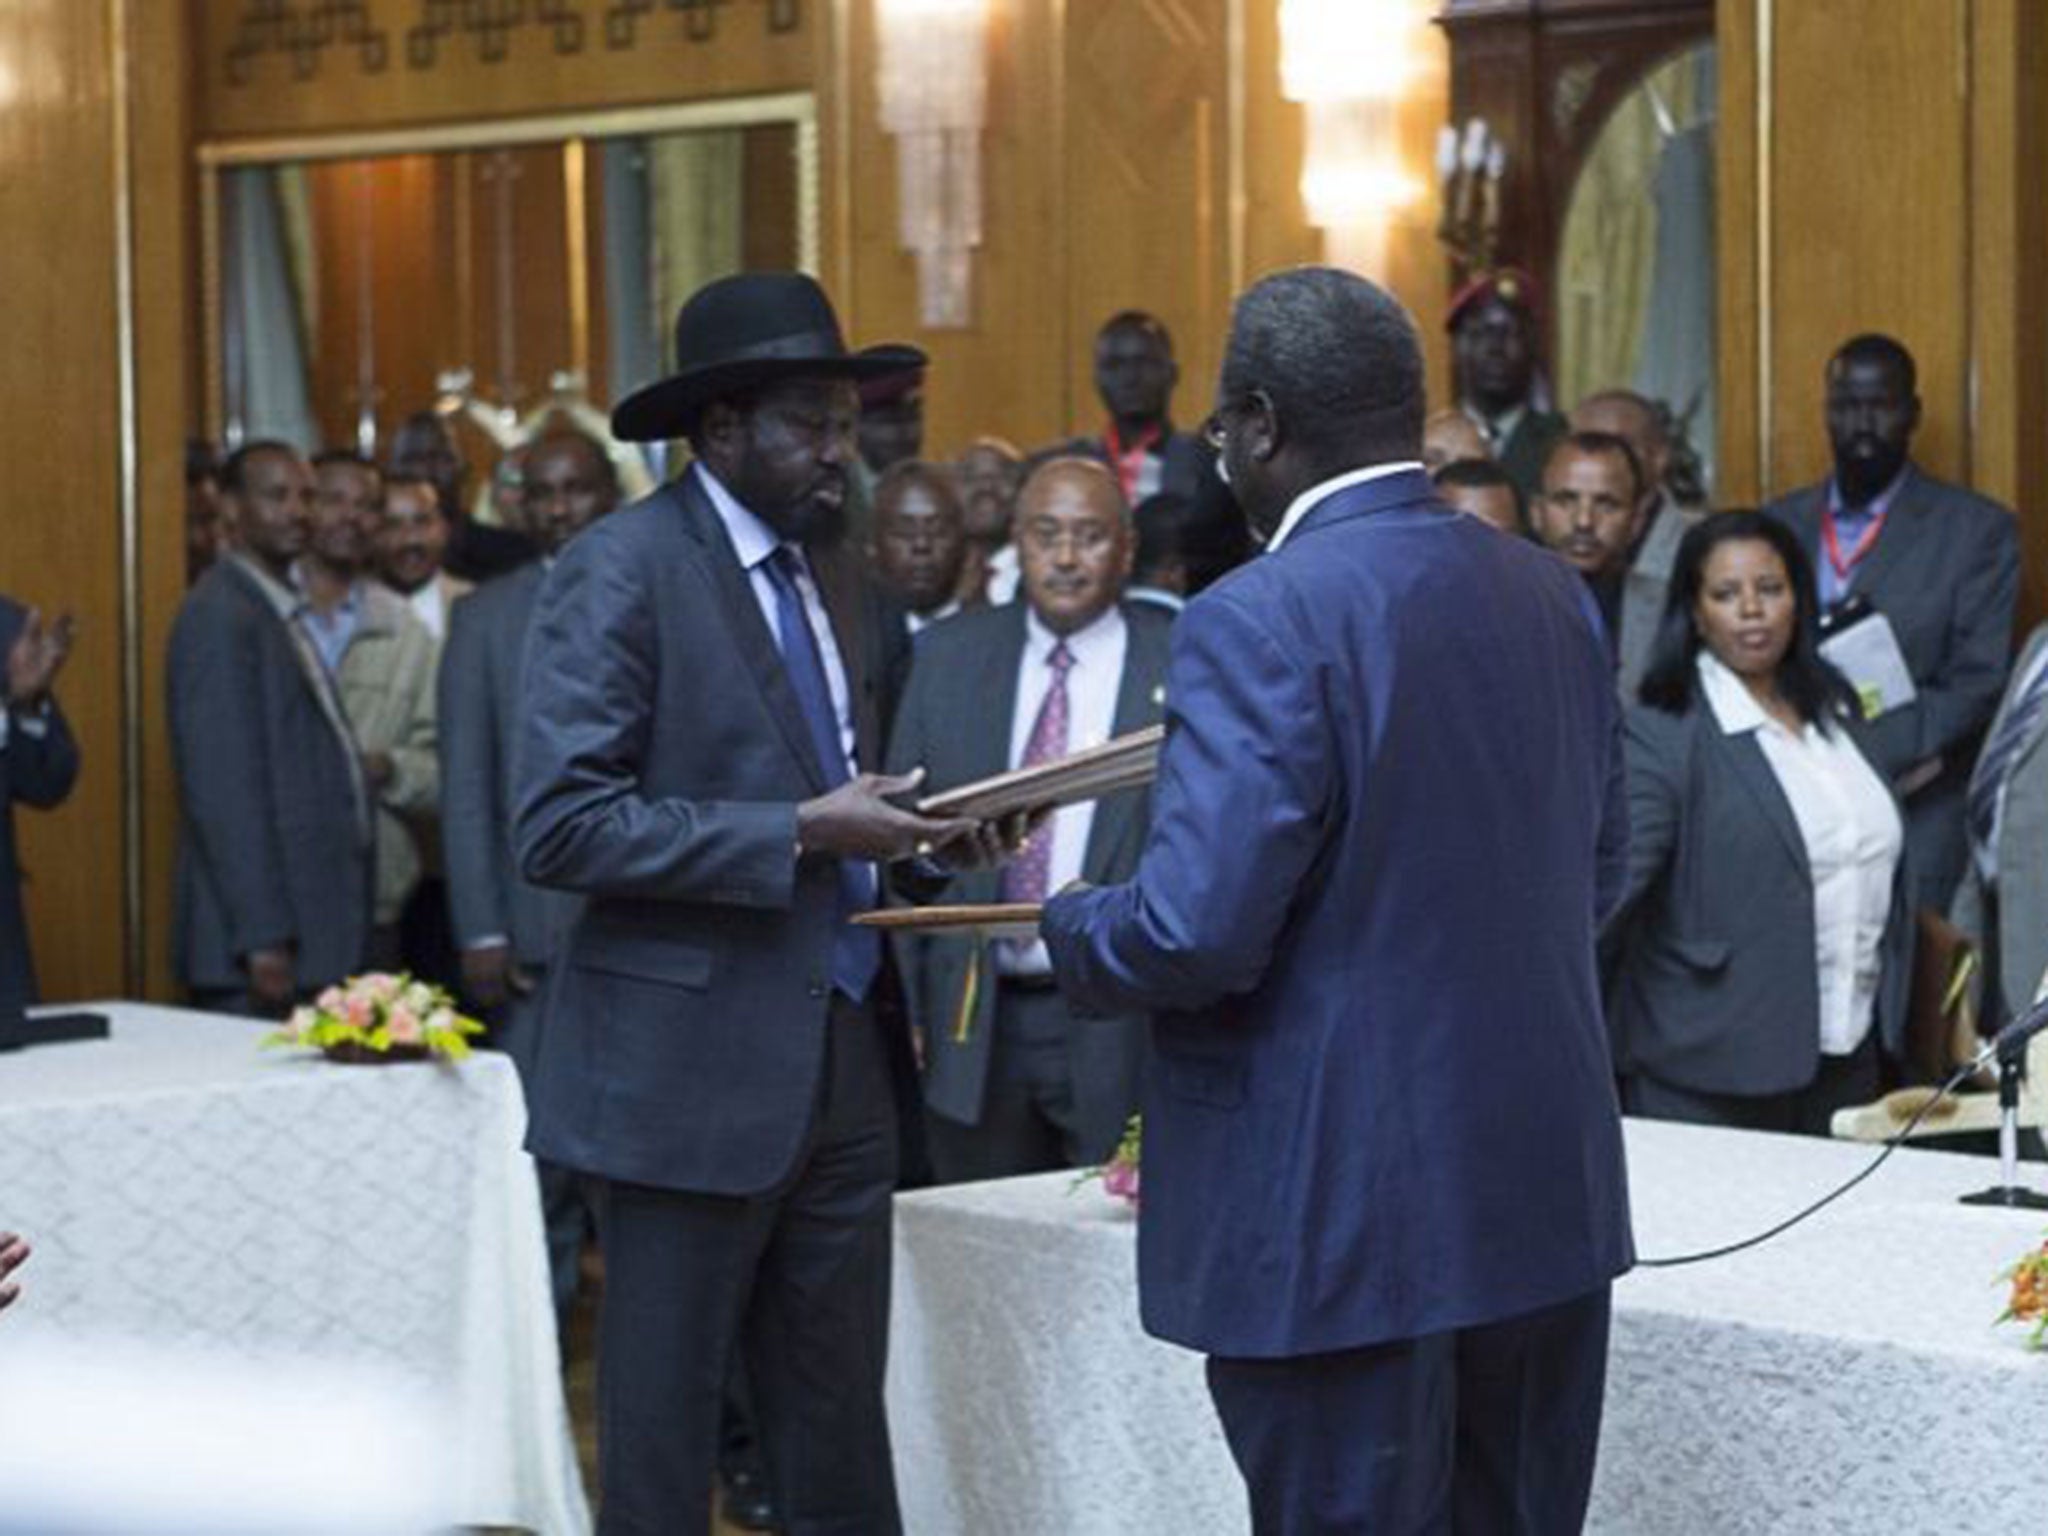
{"x":1638,"y":422}
{"x":1073,"y":532}
{"x":1449,"y":436}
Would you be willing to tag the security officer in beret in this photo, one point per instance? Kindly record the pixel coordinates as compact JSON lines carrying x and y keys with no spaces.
{"x":1492,"y":322}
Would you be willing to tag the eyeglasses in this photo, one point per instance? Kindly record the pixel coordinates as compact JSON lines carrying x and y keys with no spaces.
{"x":1216,"y":432}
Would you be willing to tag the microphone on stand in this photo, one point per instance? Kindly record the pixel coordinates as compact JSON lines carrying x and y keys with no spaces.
{"x":2009,"y":1046}
{"x":2013,"y":1038}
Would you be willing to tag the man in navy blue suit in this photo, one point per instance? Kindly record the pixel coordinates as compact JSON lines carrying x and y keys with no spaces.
{"x":1384,"y":1187}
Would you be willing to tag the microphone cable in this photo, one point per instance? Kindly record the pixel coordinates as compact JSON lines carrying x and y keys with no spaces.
{"x":1955,"y":1080}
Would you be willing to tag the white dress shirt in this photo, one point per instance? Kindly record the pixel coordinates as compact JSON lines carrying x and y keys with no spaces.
{"x":430,"y":604}
{"x":1004,"y":573}
{"x":1093,"y":682}
{"x":918,"y":623}
{"x":1303,"y":504}
{"x":754,"y":541}
{"x":1852,"y":832}
{"x":1495,"y":429}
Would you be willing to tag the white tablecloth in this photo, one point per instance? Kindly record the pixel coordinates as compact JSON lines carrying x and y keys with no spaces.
{"x":182,"y":1186}
{"x":1845,"y":1377}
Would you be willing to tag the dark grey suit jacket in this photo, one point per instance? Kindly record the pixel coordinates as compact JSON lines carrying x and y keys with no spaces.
{"x":271,"y":850}
{"x":479,"y":713}
{"x":1945,"y":571}
{"x":661,"y":757}
{"x":36,"y":770}
{"x":955,"y":722}
{"x":1716,"y":987}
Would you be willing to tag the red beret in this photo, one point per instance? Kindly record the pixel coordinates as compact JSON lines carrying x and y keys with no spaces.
{"x":902,"y":388}
{"x":1511,"y":285}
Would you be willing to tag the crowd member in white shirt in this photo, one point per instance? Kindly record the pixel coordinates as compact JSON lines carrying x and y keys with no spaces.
{"x":1761,"y":953}
{"x":412,"y":547}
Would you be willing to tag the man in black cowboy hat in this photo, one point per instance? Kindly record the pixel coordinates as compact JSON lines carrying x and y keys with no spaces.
{"x":697,"y":713}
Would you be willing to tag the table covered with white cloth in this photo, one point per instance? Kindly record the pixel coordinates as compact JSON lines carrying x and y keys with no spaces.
{"x":1845,"y":1377}
{"x":183,"y":1187}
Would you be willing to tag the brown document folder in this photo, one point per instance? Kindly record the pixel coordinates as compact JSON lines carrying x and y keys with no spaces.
{"x":1127,"y":762}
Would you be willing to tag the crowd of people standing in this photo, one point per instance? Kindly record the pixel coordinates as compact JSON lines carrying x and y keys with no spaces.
{"x":1824,"y":743}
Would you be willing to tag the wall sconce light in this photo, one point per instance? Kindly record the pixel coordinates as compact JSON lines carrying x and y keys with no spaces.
{"x":1351,"y":63}
{"x":933,"y":88}
{"x":1469,"y":167}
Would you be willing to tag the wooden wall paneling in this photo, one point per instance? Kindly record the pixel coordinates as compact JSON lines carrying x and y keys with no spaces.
{"x":168,"y":359}
{"x":1277,"y":231}
{"x":1870,"y":217}
{"x":386,"y":215}
{"x":1418,"y":270}
{"x":769,"y":239}
{"x":1005,"y":372}
{"x":2008,"y":58}
{"x":521,"y":267}
{"x":378,"y":63}
{"x":469,"y":262}
{"x":1146,"y":200}
{"x":62,"y":550}
{"x":1741,"y":218}
{"x":2028,"y":320}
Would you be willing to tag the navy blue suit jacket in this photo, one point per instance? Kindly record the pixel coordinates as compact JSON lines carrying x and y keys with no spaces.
{"x":660,"y":760}
{"x":36,"y":770}
{"x":1388,"y":817}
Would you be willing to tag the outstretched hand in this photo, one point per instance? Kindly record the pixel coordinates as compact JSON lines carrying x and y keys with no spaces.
{"x":858,"y":821}
{"x":37,"y":656}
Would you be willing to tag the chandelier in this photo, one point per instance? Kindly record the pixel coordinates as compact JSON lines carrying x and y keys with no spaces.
{"x":933,"y":88}
{"x":1351,"y":64}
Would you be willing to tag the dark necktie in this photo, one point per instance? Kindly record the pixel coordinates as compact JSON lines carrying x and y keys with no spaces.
{"x":1028,"y":877}
{"x":2014,"y":732}
{"x":856,"y":952}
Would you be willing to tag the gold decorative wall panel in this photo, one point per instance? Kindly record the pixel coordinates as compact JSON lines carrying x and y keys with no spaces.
{"x":268,"y":67}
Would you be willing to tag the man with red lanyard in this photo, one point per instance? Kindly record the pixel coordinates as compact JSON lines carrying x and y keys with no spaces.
{"x":1135,"y":374}
{"x":1940,"y":564}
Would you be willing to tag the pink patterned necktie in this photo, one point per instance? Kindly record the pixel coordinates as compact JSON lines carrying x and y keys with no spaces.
{"x":1028,"y":876}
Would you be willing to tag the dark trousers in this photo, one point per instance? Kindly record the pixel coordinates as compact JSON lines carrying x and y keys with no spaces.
{"x":1842,"y":1081}
{"x":565,"y":1211}
{"x":1030,"y":1121}
{"x":799,"y":1278}
{"x":1485,"y":1431}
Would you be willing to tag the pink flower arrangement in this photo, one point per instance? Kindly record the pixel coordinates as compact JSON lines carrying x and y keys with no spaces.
{"x":380,"y":1014}
{"x":1120,"y":1174}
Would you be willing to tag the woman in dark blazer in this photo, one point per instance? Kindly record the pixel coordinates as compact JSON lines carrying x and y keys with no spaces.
{"x":1762,"y":946}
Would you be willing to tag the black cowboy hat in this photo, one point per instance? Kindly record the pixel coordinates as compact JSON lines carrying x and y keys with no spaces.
{"x":741,"y":333}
